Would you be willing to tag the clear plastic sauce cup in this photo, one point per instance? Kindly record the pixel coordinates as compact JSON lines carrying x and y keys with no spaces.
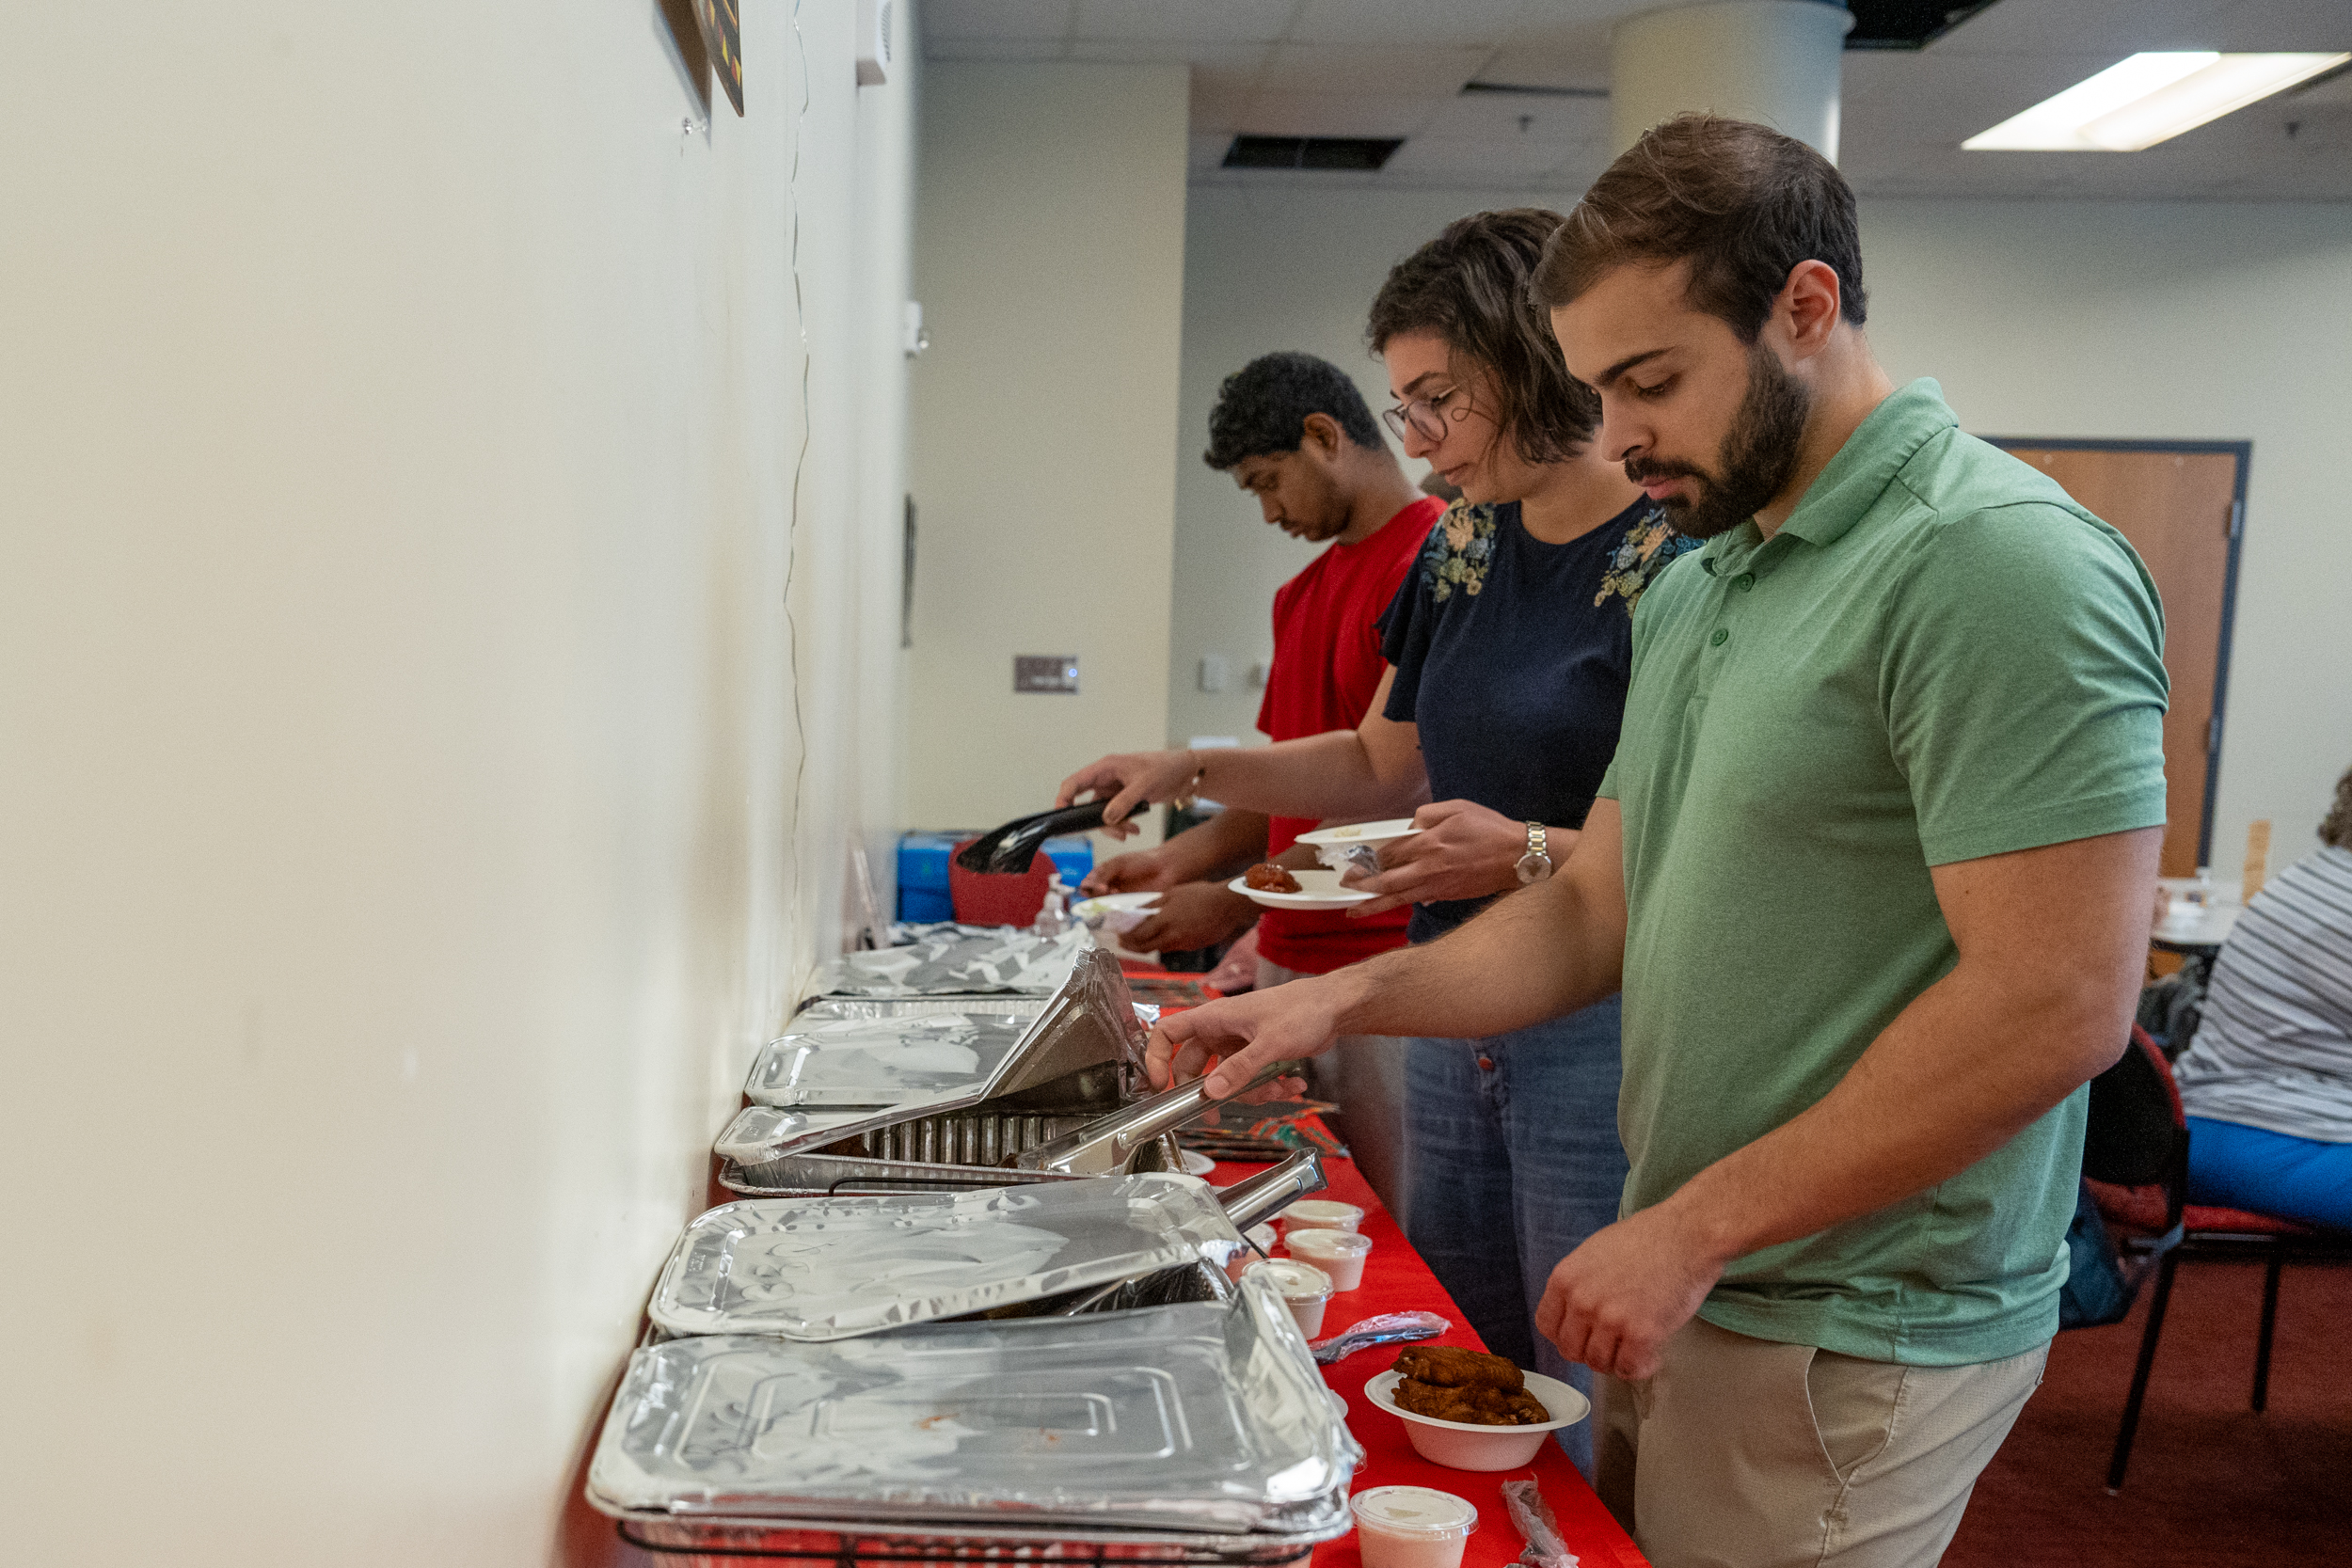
{"x":1411,"y":1526}
{"x":1267,"y":1241}
{"x":1314,"y":1213}
{"x":1339,"y":1254}
{"x":1304,"y":1290}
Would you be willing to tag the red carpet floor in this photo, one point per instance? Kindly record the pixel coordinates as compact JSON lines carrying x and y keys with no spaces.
{"x":2211,"y":1482}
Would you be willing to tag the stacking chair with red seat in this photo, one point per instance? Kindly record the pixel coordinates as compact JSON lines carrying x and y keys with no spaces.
{"x":2135,"y":1157}
{"x":997,"y":899}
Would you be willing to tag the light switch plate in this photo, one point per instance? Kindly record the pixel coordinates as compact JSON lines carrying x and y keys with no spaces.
{"x":1046,"y":672}
{"x":1212,"y":671}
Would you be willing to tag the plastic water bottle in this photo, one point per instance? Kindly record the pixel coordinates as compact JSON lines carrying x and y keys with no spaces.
{"x":1053,"y":916}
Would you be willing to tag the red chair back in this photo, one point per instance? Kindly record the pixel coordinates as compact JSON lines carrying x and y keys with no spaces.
{"x":986,"y":899}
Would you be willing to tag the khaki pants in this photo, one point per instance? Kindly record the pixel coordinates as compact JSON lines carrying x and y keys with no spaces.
{"x":1745,"y":1453}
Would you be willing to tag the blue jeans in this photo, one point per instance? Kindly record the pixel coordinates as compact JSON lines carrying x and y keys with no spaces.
{"x":1515,"y":1161}
{"x":2234,"y":1166}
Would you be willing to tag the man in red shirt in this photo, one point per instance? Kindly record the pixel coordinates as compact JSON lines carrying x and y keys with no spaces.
{"x":1294,"y":432}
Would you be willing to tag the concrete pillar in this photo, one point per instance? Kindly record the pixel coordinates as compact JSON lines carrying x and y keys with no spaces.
{"x":1772,"y":61}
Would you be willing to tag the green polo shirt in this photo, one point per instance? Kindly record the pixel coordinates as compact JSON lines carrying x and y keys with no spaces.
{"x":1939,"y":656}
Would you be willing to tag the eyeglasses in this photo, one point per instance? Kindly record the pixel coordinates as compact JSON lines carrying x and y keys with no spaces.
{"x":1419,"y":413}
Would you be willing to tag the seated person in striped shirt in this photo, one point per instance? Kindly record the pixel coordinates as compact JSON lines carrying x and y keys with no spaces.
{"x":2267,"y":1079}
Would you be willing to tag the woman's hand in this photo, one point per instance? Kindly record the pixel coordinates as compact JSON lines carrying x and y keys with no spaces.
{"x":1138,"y":871}
{"x":1130,"y":782}
{"x":1463,"y":851}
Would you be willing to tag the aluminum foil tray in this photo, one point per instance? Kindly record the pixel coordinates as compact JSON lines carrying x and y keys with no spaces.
{"x":912,"y":1006}
{"x":948,"y":960}
{"x":830,"y":1268}
{"x":713,"y":1543}
{"x":882,"y":1061}
{"x":1197,"y":1417}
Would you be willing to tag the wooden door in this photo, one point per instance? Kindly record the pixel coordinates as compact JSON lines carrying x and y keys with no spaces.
{"x":2181,"y":506}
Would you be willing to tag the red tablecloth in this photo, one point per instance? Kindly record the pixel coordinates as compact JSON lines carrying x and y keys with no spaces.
{"x":1396,"y":1280}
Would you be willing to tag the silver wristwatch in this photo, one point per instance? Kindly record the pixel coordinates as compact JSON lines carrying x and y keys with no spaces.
{"x":1535,"y":865}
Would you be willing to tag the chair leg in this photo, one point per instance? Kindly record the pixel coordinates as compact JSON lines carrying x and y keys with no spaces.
{"x":2139,"y":1373}
{"x":2270,"y":1321}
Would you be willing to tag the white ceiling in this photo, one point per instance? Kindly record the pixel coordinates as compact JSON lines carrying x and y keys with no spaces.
{"x":1396,"y":68}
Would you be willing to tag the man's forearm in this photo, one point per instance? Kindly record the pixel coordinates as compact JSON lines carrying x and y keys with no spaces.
{"x":1232,"y":835}
{"x":1541,"y":952}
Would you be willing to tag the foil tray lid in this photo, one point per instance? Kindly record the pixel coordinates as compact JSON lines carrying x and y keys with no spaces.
{"x":1199,"y":1416}
{"x":757,"y":1131}
{"x":882,"y":1061}
{"x":914,"y":1006}
{"x":1089,"y":1023}
{"x":949,"y":960}
{"x":829,"y":1267}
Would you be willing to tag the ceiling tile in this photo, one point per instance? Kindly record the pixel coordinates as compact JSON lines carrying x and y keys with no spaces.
{"x":2112,"y":27}
{"x":1219,"y":106}
{"x":994,"y":49}
{"x":1333,"y":69}
{"x":1475,"y":160}
{"x":2283,"y":24}
{"x":1549,"y":121}
{"x":1415,"y":21}
{"x":1306,"y":114}
{"x":1206,"y":150}
{"x":1550,"y":64}
{"x":1184,"y":21}
{"x":994,"y":19}
{"x":1228,"y":61}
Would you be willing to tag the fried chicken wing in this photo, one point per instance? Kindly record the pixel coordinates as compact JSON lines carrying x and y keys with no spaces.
{"x":1266,"y":877}
{"x":1478,"y":1405}
{"x":1452,"y":1366}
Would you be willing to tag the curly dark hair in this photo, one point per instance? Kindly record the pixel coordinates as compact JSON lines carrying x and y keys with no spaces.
{"x":1262,"y":407}
{"x":1469,"y":286}
{"x":1742,"y":202}
{"x":2335,"y":829}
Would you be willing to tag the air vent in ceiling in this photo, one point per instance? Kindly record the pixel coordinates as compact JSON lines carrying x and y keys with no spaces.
{"x":1906,"y":23}
{"x":1357,"y":152}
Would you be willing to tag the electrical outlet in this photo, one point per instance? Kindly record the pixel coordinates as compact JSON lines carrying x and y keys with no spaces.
{"x":1260,"y":673}
{"x":1046,"y":672}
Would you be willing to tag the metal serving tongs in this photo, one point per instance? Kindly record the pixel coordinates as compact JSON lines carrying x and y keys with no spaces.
{"x":1245,"y":1203}
{"x":1013,"y":847}
{"x":1107,"y":1144}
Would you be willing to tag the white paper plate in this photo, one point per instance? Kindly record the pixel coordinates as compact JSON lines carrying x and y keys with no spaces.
{"x":1361,"y":833}
{"x":1092,"y":909}
{"x":1318,"y":890}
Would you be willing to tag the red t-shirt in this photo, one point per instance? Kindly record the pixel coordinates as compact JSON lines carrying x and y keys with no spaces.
{"x":1327,"y":666}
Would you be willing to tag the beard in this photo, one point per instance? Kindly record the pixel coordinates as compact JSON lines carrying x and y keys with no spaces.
{"x":1754,"y":461}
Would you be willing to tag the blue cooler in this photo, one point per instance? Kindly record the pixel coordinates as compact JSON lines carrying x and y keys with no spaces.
{"x":923,"y":869}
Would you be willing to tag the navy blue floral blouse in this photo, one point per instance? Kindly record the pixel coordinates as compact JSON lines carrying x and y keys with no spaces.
{"x":1512,"y":656}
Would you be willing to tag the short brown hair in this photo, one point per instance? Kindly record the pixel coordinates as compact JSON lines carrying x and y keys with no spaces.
{"x":1742,"y":202}
{"x":2335,"y":829}
{"x":1470,"y":286}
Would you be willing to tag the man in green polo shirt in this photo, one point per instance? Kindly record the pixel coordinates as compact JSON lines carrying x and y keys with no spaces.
{"x":1873,"y":865}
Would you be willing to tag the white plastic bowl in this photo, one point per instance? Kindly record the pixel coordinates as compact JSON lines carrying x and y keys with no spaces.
{"x":1461,"y":1445}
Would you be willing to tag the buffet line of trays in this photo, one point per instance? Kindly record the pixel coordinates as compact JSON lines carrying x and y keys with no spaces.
{"x":971,"y":1306}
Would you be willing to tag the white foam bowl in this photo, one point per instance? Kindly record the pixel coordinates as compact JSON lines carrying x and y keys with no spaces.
{"x":1462,"y":1446}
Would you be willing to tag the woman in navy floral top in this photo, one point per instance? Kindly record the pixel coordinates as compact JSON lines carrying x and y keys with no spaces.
{"x":1510,"y":647}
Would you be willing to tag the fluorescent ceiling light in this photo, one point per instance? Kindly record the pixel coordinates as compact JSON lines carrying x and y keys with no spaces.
{"x":2147,"y":98}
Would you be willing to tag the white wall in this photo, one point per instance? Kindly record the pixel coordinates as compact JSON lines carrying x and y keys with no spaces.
{"x":1267,"y":269}
{"x":2188,"y":320}
{"x":399,"y":424}
{"x":1049,"y":259}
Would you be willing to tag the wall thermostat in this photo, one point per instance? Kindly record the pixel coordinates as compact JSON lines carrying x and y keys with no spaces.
{"x":873,"y":42}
